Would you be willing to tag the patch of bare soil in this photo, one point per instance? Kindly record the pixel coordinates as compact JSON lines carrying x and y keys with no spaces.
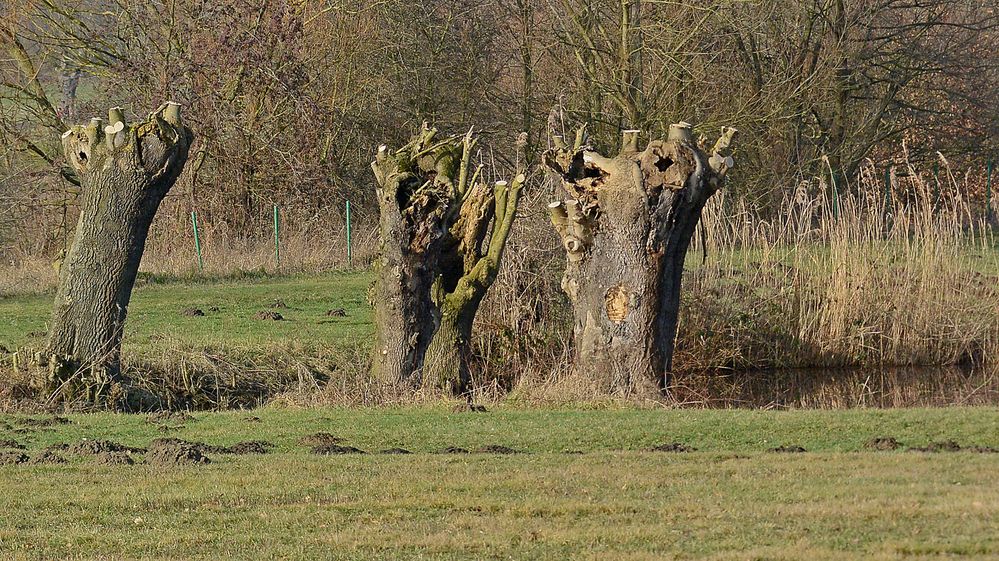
{"x":42,"y":421}
{"x":192,"y":312}
{"x":395,"y":451}
{"x":468,"y":408}
{"x":673,"y":447}
{"x":335,"y":450}
{"x":941,"y":446}
{"x":497,"y":449}
{"x":952,"y":446}
{"x":246,"y":447}
{"x":453,"y":450}
{"x":789,"y":449}
{"x":319,"y":439}
{"x":883,"y":443}
{"x":11,"y":457}
{"x":171,"y":452}
{"x":268,"y":316}
{"x":161,"y":417}
{"x":96,"y":447}
{"x":249,"y":447}
{"x":47,"y":457}
{"x":9,"y":443}
{"x":114,"y":459}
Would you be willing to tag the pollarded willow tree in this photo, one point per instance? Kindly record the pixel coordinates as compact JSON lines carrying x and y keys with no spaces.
{"x":442,"y":234}
{"x":626,"y":224}
{"x":125,"y":170}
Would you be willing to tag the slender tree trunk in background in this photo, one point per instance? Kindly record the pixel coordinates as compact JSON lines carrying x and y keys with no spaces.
{"x":431,"y":271}
{"x":125,"y":171}
{"x":626,"y":226}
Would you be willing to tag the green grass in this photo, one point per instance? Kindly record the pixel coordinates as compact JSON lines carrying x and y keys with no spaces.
{"x":155,"y":322}
{"x":729,"y":500}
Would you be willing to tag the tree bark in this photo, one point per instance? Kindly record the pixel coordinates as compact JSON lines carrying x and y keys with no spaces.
{"x":125,"y":171}
{"x":431,"y":272}
{"x":626,"y":225}
{"x":446,"y":365}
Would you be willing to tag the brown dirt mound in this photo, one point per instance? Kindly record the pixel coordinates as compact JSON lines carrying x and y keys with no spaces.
{"x":174,"y":452}
{"x":790,"y":449}
{"x":337,"y":313}
{"x":268,"y":316}
{"x":114,"y":459}
{"x":47,"y":457}
{"x":673,"y":447}
{"x":42,"y":421}
{"x":335,"y":450}
{"x":246,"y":447}
{"x":469,"y":408}
{"x":453,"y":450}
{"x":11,"y":457}
{"x":882,"y":443}
{"x":95,"y":447}
{"x":395,"y":451}
{"x":941,"y":446}
{"x":497,"y":449}
{"x":319,"y":439}
{"x":161,"y":417}
{"x":9,"y":443}
{"x":249,"y":447}
{"x":192,"y":312}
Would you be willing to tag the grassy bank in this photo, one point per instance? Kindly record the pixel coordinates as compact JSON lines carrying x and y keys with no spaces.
{"x":583,"y":486}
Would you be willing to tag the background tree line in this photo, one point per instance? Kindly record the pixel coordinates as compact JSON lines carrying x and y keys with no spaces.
{"x":290,"y":98}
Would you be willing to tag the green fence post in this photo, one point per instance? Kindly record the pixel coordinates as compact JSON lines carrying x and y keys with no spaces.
{"x":350,"y":254}
{"x":197,"y":241}
{"x":277,"y":239}
{"x":936,"y":183}
{"x":887,"y":200}
{"x":835,"y":197}
{"x":988,"y":190}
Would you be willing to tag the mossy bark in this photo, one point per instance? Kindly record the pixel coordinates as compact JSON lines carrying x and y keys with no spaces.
{"x":626,"y":225}
{"x":125,"y":171}
{"x":461,"y":287}
{"x":431,"y":272}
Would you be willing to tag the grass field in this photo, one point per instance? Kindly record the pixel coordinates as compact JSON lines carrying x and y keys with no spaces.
{"x":584,"y":487}
{"x":156,"y":321}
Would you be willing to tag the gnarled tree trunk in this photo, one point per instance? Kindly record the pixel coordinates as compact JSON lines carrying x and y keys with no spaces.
{"x":467,"y":275}
{"x":125,"y":171}
{"x":431,"y":272}
{"x":626,"y":225}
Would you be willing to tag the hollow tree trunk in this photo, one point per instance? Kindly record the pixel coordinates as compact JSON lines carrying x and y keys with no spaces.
{"x":431,"y":272}
{"x":446,"y":366}
{"x":626,"y":226}
{"x":125,"y":171}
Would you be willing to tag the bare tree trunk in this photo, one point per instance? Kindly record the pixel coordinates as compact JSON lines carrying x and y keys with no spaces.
{"x":125,"y":171}
{"x":431,"y":272}
{"x":626,"y":226}
{"x":446,"y":365}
